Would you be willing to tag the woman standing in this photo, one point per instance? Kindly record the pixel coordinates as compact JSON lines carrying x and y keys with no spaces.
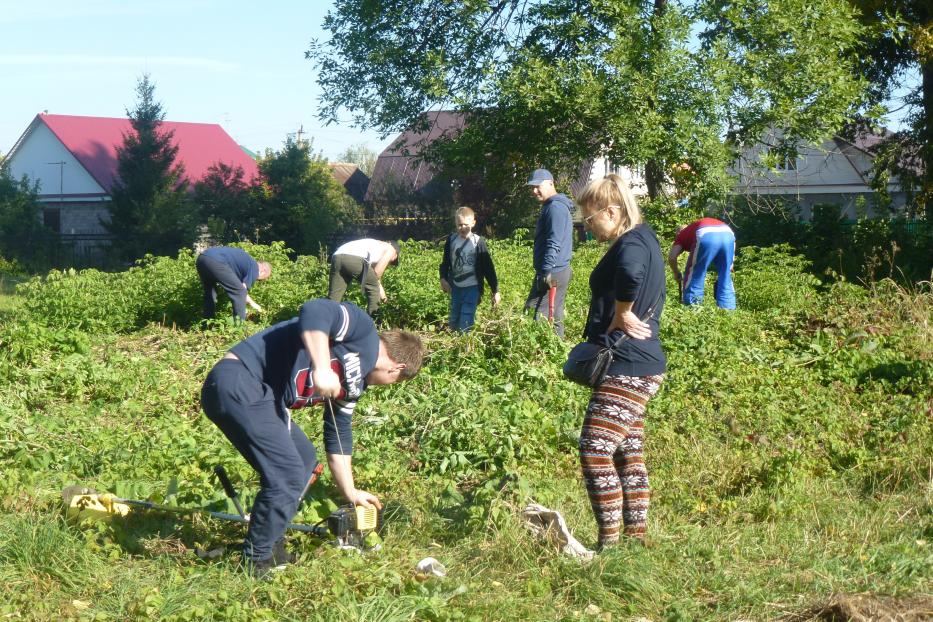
{"x":627,"y":284}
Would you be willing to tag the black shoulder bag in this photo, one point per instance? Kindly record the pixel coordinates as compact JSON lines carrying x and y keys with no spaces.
{"x":588,"y":363}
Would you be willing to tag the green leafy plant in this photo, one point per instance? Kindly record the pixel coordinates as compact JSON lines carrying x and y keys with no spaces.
{"x":784,"y":437}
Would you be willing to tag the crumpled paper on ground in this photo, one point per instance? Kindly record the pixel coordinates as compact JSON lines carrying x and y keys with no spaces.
{"x":431,"y":566}
{"x":550,"y":525}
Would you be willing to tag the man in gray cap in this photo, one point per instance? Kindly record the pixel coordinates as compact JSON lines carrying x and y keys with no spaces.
{"x":552,"y":250}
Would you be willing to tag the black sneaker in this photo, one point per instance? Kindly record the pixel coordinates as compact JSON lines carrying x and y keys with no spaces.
{"x":263,"y":568}
{"x":280,"y":556}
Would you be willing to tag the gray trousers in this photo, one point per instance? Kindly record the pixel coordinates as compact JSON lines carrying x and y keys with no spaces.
{"x":538,"y":299}
{"x":346,"y":269}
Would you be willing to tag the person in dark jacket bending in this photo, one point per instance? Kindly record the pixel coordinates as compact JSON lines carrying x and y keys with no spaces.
{"x":330,"y":352}
{"x":553,"y":249}
{"x":466,"y":264}
{"x":625,"y":285}
{"x":235,"y":271}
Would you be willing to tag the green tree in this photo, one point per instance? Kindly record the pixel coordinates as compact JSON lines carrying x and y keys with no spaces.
{"x":231,"y":206}
{"x":555,"y":83}
{"x":151,"y":211}
{"x":23,"y":237}
{"x":898,"y":46}
{"x":303,"y":204}
{"x":362,"y":156}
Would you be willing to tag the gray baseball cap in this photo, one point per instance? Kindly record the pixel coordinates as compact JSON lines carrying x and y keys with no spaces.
{"x":538,"y":176}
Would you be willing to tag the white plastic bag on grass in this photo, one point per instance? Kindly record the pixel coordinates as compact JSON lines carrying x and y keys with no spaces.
{"x":550,"y":525}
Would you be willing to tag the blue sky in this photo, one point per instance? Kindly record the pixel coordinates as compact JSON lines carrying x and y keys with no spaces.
{"x":238,"y":63}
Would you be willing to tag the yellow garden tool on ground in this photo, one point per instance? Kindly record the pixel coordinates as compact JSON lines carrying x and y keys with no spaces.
{"x":349,"y":526}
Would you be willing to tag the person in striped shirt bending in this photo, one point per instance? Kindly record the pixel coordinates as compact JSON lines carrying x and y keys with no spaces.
{"x":708,"y":241}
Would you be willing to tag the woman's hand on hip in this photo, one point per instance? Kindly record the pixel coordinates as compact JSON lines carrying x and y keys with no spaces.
{"x":629,"y":323}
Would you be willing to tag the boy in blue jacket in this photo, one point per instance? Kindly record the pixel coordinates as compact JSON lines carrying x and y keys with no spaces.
{"x":331,"y":351}
{"x":235,"y":271}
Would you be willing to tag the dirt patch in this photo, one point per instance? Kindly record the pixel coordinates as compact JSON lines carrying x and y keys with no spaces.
{"x":860,"y":608}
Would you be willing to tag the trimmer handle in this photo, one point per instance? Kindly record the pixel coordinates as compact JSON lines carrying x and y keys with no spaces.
{"x":221,"y":474}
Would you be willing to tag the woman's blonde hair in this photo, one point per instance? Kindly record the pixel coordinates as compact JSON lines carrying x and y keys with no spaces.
{"x":612,"y":190}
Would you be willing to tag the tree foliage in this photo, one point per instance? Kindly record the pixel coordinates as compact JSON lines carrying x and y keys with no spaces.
{"x":230,"y":204}
{"x":151,"y":211}
{"x":897,"y":47}
{"x":302,"y":204}
{"x":23,"y":237}
{"x":362,"y":156}
{"x":556,"y":83}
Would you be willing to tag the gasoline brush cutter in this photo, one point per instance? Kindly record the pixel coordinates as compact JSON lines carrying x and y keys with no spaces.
{"x":347,"y":527}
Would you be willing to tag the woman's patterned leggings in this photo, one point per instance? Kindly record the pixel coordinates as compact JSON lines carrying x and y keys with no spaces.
{"x":611,"y":445}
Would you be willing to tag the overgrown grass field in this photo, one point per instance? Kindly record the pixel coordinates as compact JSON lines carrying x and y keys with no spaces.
{"x":790,"y":452}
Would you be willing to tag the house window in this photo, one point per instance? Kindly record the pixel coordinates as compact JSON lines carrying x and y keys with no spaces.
{"x":788,"y":163}
{"x":52,"y":218}
{"x":784,"y":159}
{"x":635,"y":172}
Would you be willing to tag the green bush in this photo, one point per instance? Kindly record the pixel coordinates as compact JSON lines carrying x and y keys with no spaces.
{"x":788,"y":439}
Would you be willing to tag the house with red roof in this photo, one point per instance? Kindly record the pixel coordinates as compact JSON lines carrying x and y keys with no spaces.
{"x":74,"y":161}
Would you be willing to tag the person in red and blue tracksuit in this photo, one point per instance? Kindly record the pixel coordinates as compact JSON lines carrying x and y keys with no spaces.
{"x":331,"y":351}
{"x":709,"y":242}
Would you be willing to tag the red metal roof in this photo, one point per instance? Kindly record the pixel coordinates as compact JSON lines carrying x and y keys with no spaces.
{"x":94,"y":141}
{"x":400,"y":165}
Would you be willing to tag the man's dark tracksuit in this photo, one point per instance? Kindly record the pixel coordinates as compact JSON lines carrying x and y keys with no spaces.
{"x":553,"y":249}
{"x":231,"y":268}
{"x":250,"y":400}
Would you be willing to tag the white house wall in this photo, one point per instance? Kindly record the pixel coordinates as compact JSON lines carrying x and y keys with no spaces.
{"x":818,"y":171}
{"x":39,"y":157}
{"x":836,"y":173}
{"x":636,"y":178}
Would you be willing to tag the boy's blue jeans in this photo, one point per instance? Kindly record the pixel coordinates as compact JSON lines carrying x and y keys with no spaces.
{"x":463,"y":303}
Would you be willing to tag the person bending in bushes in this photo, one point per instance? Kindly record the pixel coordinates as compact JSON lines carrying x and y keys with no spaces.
{"x":708,"y":241}
{"x":236,"y":272}
{"x":330,"y":353}
{"x":365,"y":261}
{"x":626,"y":285}
{"x":466,"y":264}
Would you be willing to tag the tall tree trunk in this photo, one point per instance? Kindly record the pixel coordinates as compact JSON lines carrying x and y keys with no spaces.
{"x":654,"y":178}
{"x":654,"y":167}
{"x":926,"y":137}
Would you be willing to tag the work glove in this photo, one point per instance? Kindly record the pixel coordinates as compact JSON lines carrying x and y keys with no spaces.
{"x":543,"y":282}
